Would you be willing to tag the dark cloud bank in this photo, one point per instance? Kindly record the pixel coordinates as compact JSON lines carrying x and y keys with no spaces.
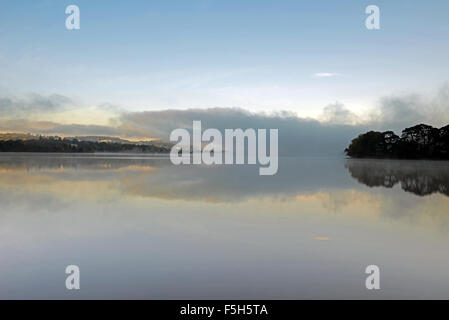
{"x":296,"y":135}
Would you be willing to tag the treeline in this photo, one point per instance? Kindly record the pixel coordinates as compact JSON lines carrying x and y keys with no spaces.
{"x":419,"y":142}
{"x":57,"y":144}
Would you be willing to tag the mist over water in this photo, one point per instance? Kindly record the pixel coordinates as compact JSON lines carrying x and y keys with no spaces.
{"x":140,"y":227}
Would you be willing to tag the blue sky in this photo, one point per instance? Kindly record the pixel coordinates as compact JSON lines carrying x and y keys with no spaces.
{"x":257,"y":55}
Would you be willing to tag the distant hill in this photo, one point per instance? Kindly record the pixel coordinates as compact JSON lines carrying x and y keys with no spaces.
{"x":108,"y":139}
{"x":17,"y":136}
{"x":29,"y":136}
{"x":101,"y":139}
{"x":18,"y":142}
{"x":418,"y":142}
{"x":122,"y":141}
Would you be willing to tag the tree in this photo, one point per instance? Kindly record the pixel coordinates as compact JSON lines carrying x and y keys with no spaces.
{"x":418,"y":142}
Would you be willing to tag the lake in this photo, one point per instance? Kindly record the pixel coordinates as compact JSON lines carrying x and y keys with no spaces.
{"x":141,"y":228}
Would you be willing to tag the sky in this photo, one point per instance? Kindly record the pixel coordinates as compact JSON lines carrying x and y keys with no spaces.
{"x":311,"y":59}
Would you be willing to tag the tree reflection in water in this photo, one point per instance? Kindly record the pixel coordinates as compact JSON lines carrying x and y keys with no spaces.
{"x":418,"y":177}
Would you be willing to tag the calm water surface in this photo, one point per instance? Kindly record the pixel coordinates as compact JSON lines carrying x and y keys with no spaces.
{"x":139,"y":227}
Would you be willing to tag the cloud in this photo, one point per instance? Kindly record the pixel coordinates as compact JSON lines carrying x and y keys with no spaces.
{"x":52,"y":128}
{"x":329,"y":135}
{"x":397,"y":112}
{"x":13,"y":106}
{"x":337,"y":113}
{"x":325,"y":74}
{"x":297,"y":136}
{"x":81,"y":129}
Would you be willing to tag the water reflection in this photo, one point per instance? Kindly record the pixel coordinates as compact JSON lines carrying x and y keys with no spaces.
{"x":155,"y":176}
{"x":140,"y":227}
{"x":421,"y":178}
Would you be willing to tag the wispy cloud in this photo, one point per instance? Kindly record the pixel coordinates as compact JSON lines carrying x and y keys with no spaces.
{"x":399,"y":111}
{"x":49,"y":127}
{"x":325,"y":74}
{"x":337,"y":113}
{"x":13,"y":106}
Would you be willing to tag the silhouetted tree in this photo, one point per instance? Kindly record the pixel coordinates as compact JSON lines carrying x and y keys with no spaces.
{"x":418,"y":142}
{"x":373,"y":144}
